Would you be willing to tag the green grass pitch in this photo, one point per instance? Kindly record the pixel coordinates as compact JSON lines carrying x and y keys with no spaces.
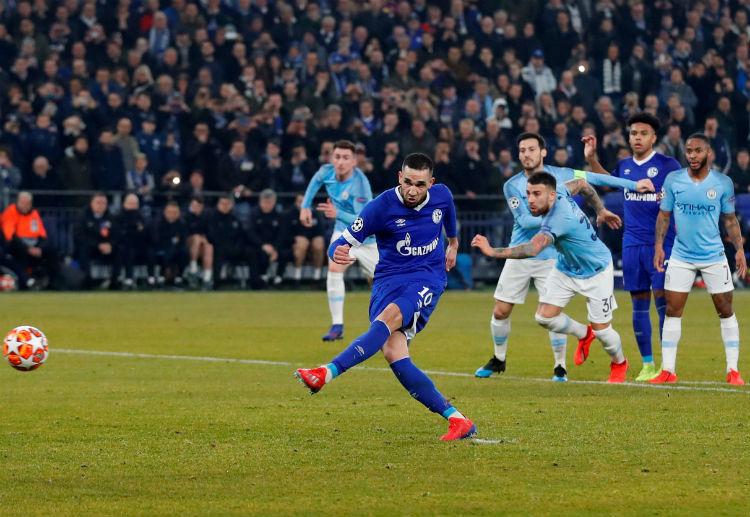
{"x":97,"y":434}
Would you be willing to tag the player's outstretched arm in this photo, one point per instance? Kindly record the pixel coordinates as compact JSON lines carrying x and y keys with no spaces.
{"x":451,"y":252}
{"x":735,"y":236}
{"x":528,"y":249}
{"x":587,"y":192}
{"x":662,"y":226}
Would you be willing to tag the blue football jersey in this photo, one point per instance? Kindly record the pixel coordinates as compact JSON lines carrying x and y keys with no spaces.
{"x":697,"y":207}
{"x":525,"y":225}
{"x":580,"y":253}
{"x":349,"y":197}
{"x":410,"y":240}
{"x":641,"y":208}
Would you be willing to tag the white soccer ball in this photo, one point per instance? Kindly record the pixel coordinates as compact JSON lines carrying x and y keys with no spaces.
{"x":25,"y":348}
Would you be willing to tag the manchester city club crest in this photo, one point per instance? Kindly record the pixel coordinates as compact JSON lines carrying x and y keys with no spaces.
{"x":652,"y":171}
{"x":514,"y":202}
{"x":358,"y":224}
{"x":437,"y":215}
{"x":345,"y":195}
{"x":711,"y":194}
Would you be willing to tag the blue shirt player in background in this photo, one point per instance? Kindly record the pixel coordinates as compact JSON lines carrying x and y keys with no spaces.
{"x":696,"y":196}
{"x":407,"y":222}
{"x":584,"y":266}
{"x":513,"y":284}
{"x":641,"y":209}
{"x":348,"y":192}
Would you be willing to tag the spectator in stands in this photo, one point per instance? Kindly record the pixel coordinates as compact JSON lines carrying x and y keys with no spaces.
{"x":10,"y":175}
{"x":43,"y":178}
{"x":538,"y":75}
{"x":268,"y":237}
{"x":200,"y":249}
{"x":108,"y":171}
{"x":170,"y":244}
{"x":673,"y":145}
{"x":740,"y":172}
{"x":133,"y":243}
{"x":230,"y":242}
{"x":240,"y":175}
{"x":721,"y":153}
{"x":140,"y":181}
{"x":126,"y":142}
{"x":26,"y":240}
{"x":93,"y":238}
{"x":75,"y":170}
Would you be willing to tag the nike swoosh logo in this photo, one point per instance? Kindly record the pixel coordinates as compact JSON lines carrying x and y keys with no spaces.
{"x":678,"y":192}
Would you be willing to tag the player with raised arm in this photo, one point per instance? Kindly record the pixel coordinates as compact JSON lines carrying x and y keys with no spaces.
{"x":641,"y":209}
{"x":408,"y":223}
{"x":348,"y":192}
{"x":584,"y":266}
{"x":697,"y":195}
{"x":513,"y":284}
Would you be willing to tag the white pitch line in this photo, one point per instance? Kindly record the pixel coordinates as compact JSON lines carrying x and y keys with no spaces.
{"x":430,"y":372}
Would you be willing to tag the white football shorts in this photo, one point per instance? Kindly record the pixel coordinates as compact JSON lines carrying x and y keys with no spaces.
{"x":366,"y":254}
{"x":598,"y":290}
{"x":515,"y":278}
{"x":681,"y":275}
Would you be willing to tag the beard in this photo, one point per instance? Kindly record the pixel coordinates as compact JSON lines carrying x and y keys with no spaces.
{"x":700,"y":166}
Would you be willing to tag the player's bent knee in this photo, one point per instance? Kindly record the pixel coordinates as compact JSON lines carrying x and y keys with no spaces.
{"x":395,"y":348}
{"x":543,"y":321}
{"x":392,"y":317}
{"x":600,"y":326}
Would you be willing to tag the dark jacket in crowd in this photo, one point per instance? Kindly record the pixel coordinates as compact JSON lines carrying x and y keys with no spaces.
{"x":197,"y":224}
{"x":130,"y":229}
{"x":225,"y":230}
{"x":90,"y":231}
{"x":168,"y":235}
{"x":267,"y":228}
{"x":108,"y":169}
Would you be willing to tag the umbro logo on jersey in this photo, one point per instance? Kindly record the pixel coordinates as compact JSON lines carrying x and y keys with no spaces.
{"x":627,"y":171}
{"x":400,"y":222}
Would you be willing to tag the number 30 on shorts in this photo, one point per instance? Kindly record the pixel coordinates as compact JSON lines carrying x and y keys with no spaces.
{"x":607,"y":305}
{"x":426,"y":296}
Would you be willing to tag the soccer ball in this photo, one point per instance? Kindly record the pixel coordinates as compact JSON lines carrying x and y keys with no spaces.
{"x":25,"y":348}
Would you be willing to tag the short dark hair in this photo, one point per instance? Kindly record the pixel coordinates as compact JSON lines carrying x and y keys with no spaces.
{"x":344,"y":144}
{"x":197,"y":198}
{"x":536,"y":136}
{"x":419,"y":162}
{"x":172,"y":202}
{"x":543,"y":178}
{"x":645,"y":118}
{"x":700,"y":136}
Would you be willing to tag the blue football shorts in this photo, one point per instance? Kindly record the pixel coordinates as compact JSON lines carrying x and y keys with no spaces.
{"x":638,"y":271}
{"x":416,"y":300}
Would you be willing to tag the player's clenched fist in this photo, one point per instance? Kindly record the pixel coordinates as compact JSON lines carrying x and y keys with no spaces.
{"x":481,"y":242}
{"x":341,"y":255}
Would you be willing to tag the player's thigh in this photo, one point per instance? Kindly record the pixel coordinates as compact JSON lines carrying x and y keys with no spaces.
{"x":513,"y":284}
{"x":396,"y":347}
{"x":541,"y":273}
{"x":559,"y":289}
{"x":367,"y":256}
{"x":599,"y":291}
{"x":717,"y":276}
{"x":679,"y":276}
{"x":636,"y":273}
{"x":416,"y":301}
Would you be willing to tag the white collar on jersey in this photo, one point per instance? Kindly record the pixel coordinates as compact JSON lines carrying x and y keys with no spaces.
{"x":641,"y":162}
{"x":419,"y":206}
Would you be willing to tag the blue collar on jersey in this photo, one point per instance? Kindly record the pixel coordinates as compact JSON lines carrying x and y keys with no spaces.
{"x":419,"y":206}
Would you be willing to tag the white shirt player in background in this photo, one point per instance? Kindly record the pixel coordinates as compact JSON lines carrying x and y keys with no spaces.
{"x":697,"y":195}
{"x":349,"y":191}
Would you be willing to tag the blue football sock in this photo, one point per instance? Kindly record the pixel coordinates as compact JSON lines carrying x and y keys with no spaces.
{"x":363,"y":347}
{"x":420,"y":386}
{"x":642,"y":328}
{"x":661,"y":308}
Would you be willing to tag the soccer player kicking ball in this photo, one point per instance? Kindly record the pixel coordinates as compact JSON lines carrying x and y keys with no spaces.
{"x":697,"y":195}
{"x":407,"y":222}
{"x":641,"y":209}
{"x":349,"y":191}
{"x":513,"y":284}
{"x":584,"y":266}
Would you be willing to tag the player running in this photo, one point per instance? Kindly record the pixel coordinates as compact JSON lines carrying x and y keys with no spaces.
{"x":513,"y":284}
{"x":349,"y":191}
{"x":697,"y":195}
{"x":641,"y":209}
{"x":584,"y":266}
{"x":407,"y":222}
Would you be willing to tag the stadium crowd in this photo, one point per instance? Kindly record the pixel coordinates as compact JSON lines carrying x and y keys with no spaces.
{"x":215,"y":114}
